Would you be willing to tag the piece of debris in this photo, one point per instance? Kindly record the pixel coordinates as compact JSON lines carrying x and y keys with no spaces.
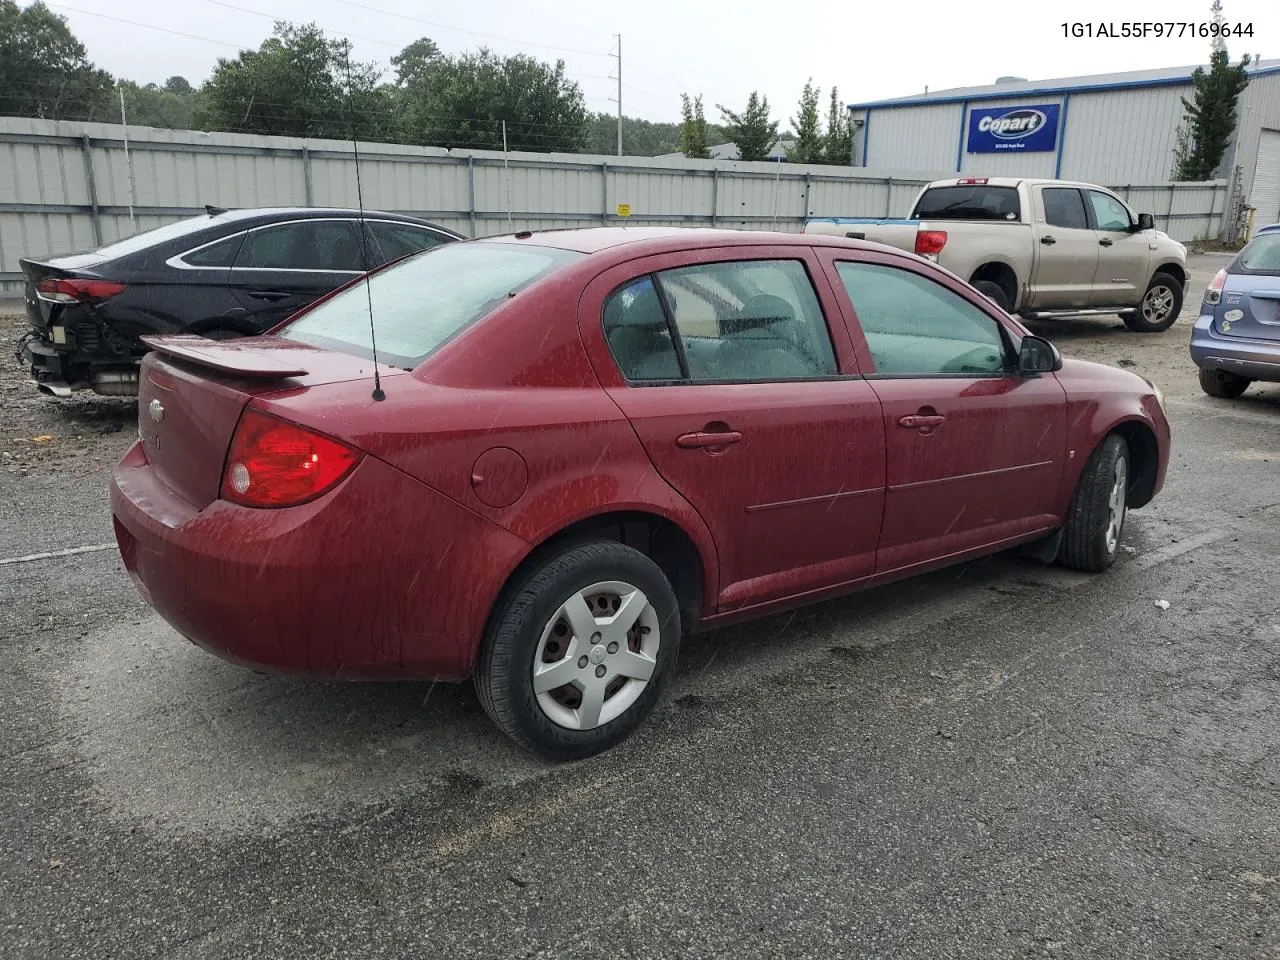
{"x":1162,"y":604}
{"x":1126,"y":362}
{"x":1128,"y":549}
{"x":43,"y":438}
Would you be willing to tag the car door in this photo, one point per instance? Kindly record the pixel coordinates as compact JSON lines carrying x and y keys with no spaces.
{"x":1066,"y":251}
{"x":1124,"y":258}
{"x":285,"y":266}
{"x":726,"y":366}
{"x":974,"y":450}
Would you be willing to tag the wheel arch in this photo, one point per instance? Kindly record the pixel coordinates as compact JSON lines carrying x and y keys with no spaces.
{"x":1144,"y":459}
{"x":1001,"y":274}
{"x":1173,"y":269}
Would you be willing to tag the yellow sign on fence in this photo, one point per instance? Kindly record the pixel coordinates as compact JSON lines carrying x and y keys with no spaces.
{"x":624,"y":209}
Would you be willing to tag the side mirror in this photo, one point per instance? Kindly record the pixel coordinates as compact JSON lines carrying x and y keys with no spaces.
{"x":1038,"y":355}
{"x":1146,"y":222}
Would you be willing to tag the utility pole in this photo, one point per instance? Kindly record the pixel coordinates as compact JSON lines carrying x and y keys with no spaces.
{"x":619,"y":56}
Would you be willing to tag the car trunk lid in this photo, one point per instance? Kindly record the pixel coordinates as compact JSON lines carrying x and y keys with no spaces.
{"x":192,"y":391}
{"x":42,"y":312}
{"x":1250,"y":307}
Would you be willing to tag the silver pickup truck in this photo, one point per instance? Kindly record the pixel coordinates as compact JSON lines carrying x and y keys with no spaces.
{"x":1039,"y":248}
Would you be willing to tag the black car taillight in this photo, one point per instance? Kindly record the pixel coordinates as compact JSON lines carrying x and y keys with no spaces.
{"x":78,"y":289}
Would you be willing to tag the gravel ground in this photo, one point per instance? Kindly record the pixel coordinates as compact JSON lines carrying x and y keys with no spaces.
{"x":1000,"y":760}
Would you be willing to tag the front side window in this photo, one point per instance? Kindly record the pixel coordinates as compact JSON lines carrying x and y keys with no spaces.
{"x":305,"y":245}
{"x":1063,"y":207}
{"x":749,"y":320}
{"x":1108,"y":212}
{"x":419,"y":304}
{"x":917,"y":327}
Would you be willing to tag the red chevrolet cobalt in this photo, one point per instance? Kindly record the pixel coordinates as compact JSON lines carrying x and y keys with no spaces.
{"x":588,"y":442}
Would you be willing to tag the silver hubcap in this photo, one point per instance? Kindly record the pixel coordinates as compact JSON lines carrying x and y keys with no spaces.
{"x":1157,"y":304}
{"x":596,"y":655}
{"x":1116,"y":503}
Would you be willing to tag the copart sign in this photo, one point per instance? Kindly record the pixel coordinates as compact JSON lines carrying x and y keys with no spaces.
{"x":996,"y":129}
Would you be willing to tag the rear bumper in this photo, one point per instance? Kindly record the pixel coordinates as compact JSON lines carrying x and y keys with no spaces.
{"x":1256,"y":359}
{"x":382,"y":578}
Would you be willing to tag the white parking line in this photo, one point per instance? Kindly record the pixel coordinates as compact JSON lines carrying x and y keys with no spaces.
{"x":54,"y":554}
{"x":1156,"y":557}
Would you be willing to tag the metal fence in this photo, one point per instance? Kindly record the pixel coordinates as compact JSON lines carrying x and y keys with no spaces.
{"x":68,"y":187}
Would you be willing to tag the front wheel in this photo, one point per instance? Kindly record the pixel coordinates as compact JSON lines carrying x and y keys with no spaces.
{"x":580,"y":650}
{"x":1159,"y":308}
{"x":1098,"y":509}
{"x":1223,"y":383}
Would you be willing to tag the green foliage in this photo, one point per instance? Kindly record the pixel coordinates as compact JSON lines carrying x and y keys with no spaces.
{"x":461,"y":101}
{"x":838,"y":143}
{"x":44,"y":69}
{"x":163,"y":107}
{"x":752,"y":130}
{"x":693,"y":129}
{"x":299,"y":83}
{"x":809,"y":146}
{"x":1210,"y":118}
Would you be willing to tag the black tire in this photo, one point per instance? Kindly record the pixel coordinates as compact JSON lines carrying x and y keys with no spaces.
{"x":1142,"y":320}
{"x":1223,"y":383}
{"x":504,"y":673}
{"x":994,"y":292}
{"x":1085,"y":541}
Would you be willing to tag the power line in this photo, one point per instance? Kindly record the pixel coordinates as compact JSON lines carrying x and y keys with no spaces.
{"x":147,"y":26}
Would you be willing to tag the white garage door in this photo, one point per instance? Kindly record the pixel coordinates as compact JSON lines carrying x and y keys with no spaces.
{"x":1265,"y":196}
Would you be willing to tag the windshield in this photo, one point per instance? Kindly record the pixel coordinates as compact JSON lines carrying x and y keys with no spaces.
{"x":1262,"y":255}
{"x":421,"y":302}
{"x":979,"y":202}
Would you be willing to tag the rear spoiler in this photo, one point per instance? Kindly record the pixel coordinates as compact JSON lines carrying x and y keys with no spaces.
{"x":239,"y":357}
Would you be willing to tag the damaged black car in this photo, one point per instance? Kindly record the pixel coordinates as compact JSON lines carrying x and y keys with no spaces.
{"x":224,"y":274}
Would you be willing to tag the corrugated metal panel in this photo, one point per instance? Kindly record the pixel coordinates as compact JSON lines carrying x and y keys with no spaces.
{"x":1258,"y":109}
{"x":1010,"y":163}
{"x":1265,"y":195}
{"x":1125,"y":136}
{"x":916,"y":138}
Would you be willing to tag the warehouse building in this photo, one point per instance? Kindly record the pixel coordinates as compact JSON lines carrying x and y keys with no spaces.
{"x":1112,"y":129}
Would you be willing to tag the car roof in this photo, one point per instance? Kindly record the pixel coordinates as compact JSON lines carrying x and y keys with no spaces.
{"x":645,"y":241}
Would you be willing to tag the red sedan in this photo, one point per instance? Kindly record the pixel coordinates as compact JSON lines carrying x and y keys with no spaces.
{"x":592,"y":441}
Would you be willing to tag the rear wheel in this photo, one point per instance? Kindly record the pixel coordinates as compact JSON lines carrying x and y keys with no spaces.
{"x":1098,"y":509}
{"x":1159,"y":308}
{"x":580,"y":650}
{"x":1221,"y":383}
{"x":993,"y":292}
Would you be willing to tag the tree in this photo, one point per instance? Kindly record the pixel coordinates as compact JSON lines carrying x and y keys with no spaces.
{"x":153,"y":106}
{"x":463,"y":100}
{"x":1210,"y":116}
{"x":752,"y":130}
{"x":413,"y":62}
{"x":179,"y":85}
{"x":809,"y":146}
{"x":44,"y":69}
{"x":838,"y":145}
{"x":693,"y":129}
{"x":298,"y":83}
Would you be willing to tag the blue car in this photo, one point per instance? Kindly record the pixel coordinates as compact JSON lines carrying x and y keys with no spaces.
{"x":1236,"y":339}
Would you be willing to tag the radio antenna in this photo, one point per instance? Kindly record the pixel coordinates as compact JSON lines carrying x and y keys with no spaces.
{"x":364,"y":232}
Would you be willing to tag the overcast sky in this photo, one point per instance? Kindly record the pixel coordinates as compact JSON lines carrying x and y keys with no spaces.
{"x":720,"y":48}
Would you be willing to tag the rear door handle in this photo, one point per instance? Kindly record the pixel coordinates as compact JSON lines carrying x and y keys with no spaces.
{"x":921,"y":421}
{"x":1105,"y":241}
{"x":269,"y":294}
{"x":1048,"y":241}
{"x":703,"y":439}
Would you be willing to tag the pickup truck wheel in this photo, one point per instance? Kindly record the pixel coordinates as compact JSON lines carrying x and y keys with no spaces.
{"x":1096,"y":516}
{"x":1159,"y":308}
{"x":1223,"y":383}
{"x":994,"y":292}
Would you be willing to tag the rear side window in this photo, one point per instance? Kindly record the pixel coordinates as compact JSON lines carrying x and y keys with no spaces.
{"x":636,"y":328}
{"x":1065,"y":208}
{"x":916,"y":327}
{"x":1262,"y":254}
{"x":305,"y":245}
{"x":749,"y":320}
{"x":398,"y":240}
{"x":421,"y":303}
{"x":220,"y":254}
{"x":969,"y":202}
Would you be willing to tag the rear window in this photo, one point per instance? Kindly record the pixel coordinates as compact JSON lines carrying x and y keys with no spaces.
{"x":149,"y":238}
{"x":1261,"y":255}
{"x":970,"y":202}
{"x":420,"y":303}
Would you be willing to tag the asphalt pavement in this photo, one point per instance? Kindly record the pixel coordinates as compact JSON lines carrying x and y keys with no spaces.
{"x":1004,"y":759}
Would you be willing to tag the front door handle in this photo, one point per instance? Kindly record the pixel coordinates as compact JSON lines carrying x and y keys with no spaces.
{"x":921,"y":421}
{"x":1105,"y":241}
{"x":707,"y":438}
{"x":269,"y":294}
{"x":1048,"y":241}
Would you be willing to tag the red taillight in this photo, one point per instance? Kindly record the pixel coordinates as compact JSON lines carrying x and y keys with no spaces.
{"x":73,"y":290}
{"x":929,"y":243}
{"x":1213,"y":293}
{"x":274,"y":463}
